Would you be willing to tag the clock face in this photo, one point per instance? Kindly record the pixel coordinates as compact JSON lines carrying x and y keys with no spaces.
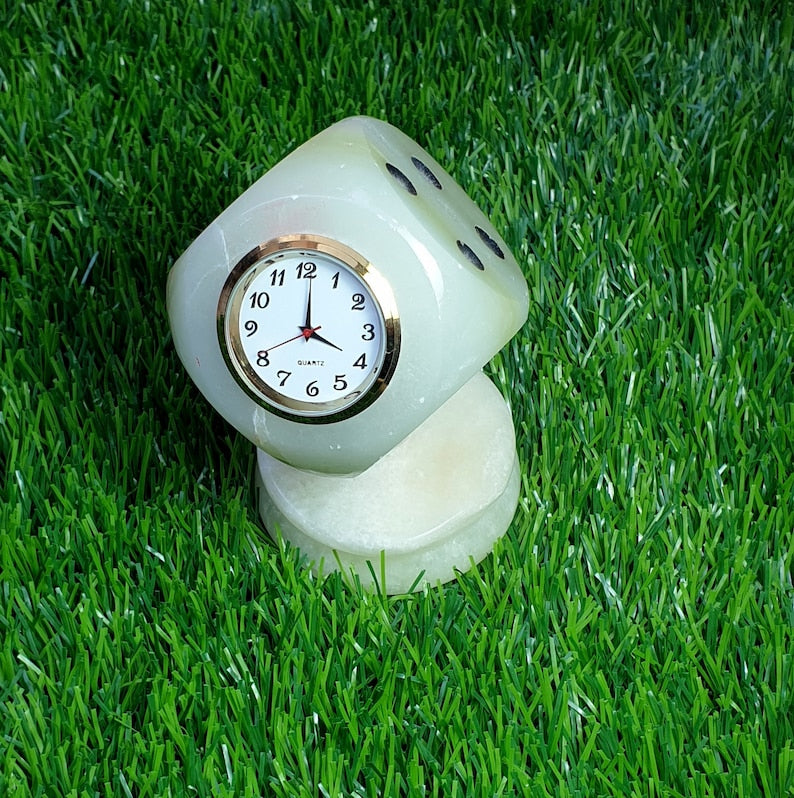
{"x":308,"y":328}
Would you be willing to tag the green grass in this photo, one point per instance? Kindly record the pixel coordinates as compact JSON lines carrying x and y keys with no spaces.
{"x":631,"y":635}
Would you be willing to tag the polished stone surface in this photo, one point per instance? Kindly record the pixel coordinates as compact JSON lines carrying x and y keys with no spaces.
{"x":435,"y":503}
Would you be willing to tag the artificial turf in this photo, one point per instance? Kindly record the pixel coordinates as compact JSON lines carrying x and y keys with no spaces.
{"x":631,"y":634}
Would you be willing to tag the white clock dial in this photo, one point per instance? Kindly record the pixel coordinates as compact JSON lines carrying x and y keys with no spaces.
{"x":308,"y":328}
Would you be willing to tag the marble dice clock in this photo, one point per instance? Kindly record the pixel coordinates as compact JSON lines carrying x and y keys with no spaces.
{"x":338,"y":314}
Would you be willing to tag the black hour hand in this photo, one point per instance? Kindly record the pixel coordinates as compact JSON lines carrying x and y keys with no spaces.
{"x":314,"y":335}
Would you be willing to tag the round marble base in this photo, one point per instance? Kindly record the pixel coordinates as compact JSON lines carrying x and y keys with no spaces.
{"x":433,"y":505}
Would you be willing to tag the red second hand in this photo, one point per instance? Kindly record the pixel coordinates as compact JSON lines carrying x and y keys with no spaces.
{"x":306,"y":333}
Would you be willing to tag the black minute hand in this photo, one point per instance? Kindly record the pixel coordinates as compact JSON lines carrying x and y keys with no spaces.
{"x":307,"y":324}
{"x":307,"y":329}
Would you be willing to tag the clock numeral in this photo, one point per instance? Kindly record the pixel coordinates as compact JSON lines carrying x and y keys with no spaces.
{"x":361,"y":362}
{"x":335,"y":281}
{"x":260,"y":299}
{"x":306,"y":270}
{"x":312,"y":389}
{"x":369,"y":332}
{"x":261,"y":358}
{"x":250,"y":328}
{"x":277,"y":278}
{"x":282,"y":377}
{"x":358,"y":302}
{"x":340,"y":383}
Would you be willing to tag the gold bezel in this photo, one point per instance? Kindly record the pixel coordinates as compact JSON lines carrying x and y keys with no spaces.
{"x":241,"y":276}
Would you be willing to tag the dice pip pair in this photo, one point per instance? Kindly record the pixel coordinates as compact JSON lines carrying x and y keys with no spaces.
{"x":338,"y":315}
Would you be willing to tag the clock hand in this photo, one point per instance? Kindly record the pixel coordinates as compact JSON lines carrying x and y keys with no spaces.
{"x":307,"y":324}
{"x":305,"y":333}
{"x":313,"y":335}
{"x":307,"y":329}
